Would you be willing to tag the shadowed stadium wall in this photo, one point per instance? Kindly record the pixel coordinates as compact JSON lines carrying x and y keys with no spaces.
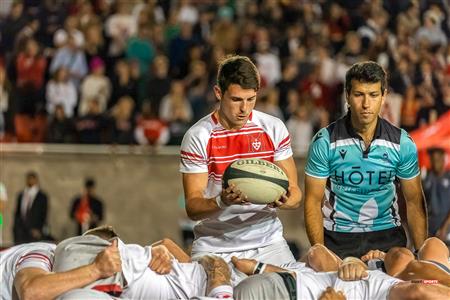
{"x":141,"y":188}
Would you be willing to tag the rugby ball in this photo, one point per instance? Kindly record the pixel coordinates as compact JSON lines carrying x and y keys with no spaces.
{"x":260,"y":180}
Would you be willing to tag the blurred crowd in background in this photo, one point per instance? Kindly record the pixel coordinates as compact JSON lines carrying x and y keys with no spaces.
{"x":142,"y":71}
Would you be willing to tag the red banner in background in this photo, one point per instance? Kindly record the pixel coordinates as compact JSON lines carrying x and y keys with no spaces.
{"x":435,"y":135}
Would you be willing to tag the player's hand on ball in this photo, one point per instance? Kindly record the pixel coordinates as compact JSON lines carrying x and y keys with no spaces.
{"x":161,"y":261}
{"x":244,"y":265}
{"x":108,"y":262}
{"x":332,"y":294}
{"x":280,"y":202}
{"x":233,"y":196}
{"x":373,"y":254}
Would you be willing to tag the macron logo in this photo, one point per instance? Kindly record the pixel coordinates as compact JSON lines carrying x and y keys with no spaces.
{"x":343,"y":152}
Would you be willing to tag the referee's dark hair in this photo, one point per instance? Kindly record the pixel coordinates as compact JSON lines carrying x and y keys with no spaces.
{"x":237,"y":69}
{"x":366,"y":72}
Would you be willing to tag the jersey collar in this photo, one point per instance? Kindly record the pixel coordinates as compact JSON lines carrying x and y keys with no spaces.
{"x":351,"y":131}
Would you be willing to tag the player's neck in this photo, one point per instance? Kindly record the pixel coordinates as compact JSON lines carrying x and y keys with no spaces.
{"x":226,"y":123}
{"x":366,"y":131}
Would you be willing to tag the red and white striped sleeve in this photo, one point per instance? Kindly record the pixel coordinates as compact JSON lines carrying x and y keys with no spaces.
{"x":282,"y":141}
{"x":193,"y":152}
{"x":41,"y":259}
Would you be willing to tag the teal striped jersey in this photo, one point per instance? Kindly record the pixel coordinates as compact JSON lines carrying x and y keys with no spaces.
{"x":360,"y":195}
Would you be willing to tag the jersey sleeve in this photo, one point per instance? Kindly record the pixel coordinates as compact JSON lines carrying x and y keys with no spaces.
{"x":193,"y":153}
{"x":408,"y":167}
{"x":282,"y":141}
{"x":41,"y":259}
{"x":317,"y":164}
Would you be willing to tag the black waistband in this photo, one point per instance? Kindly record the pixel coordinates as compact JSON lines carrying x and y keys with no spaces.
{"x":290,"y":283}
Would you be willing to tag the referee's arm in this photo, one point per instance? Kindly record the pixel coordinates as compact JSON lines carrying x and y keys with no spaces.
{"x":314,"y":192}
{"x":416,"y":209}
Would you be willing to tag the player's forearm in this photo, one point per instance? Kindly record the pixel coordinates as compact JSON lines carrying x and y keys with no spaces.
{"x":314,"y":221}
{"x":51,"y":285}
{"x":201,"y":208}
{"x":175,"y":250}
{"x":295,"y":197}
{"x":417,"y":222}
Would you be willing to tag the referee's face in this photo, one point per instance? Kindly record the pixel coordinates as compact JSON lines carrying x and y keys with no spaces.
{"x":236,"y":105}
{"x":365,"y":101}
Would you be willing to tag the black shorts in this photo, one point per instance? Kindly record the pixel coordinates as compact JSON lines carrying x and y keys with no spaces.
{"x":359,"y":243}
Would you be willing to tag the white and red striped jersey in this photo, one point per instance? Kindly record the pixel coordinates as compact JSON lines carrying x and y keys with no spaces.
{"x":208,"y":147}
{"x":12,"y":260}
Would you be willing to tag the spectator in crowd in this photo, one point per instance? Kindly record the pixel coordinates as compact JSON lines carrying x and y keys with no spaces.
{"x":176,"y":110}
{"x":437,"y":193}
{"x":289,"y":81}
{"x":150,"y":130}
{"x":30,"y":120}
{"x":61,"y":37}
{"x":87,"y":208}
{"x":300,"y":128}
{"x":123,"y":84}
{"x":51,"y":17}
{"x":176,"y":100}
{"x":225,"y":33}
{"x":430,"y":32}
{"x":119,"y":27}
{"x":140,"y":48}
{"x":159,"y":84}
{"x":268,"y":63}
{"x":30,"y":70}
{"x":401,"y":77}
{"x":95,"y":43}
{"x":72,"y":58}
{"x":269,"y":104}
{"x":30,"y":217}
{"x":11,"y":26}
{"x":91,"y":128}
{"x":61,"y":127}
{"x":28,"y":32}
{"x":196,"y":83}
{"x":122,"y":121}
{"x":178,"y":49}
{"x":61,"y":91}
{"x":410,"y":108}
{"x":95,"y":85}
{"x":5,"y":90}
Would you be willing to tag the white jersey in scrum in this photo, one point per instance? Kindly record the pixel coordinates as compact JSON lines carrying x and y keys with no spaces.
{"x":310,"y":285}
{"x":12,"y":260}
{"x":186,"y":280}
{"x":208,"y":147}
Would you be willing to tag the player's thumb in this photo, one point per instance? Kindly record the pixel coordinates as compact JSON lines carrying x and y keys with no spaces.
{"x":234,"y":260}
{"x":114,"y":243}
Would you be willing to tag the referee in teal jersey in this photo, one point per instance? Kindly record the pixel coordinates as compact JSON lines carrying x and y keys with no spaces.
{"x":353,"y":163}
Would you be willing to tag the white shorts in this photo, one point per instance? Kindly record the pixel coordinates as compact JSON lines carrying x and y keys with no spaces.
{"x":275,"y":254}
{"x":376,"y":286}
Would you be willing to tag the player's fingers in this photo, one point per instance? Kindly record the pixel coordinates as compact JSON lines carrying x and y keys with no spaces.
{"x":114,"y":243}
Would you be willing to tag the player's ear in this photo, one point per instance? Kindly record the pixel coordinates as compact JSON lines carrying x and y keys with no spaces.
{"x":217,"y":92}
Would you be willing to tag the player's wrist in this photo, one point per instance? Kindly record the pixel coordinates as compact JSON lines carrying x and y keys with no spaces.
{"x":220,"y":204}
{"x":95,"y":271}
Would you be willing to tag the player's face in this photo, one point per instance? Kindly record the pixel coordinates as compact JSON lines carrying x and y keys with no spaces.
{"x":365,"y":100}
{"x":236,"y":104}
